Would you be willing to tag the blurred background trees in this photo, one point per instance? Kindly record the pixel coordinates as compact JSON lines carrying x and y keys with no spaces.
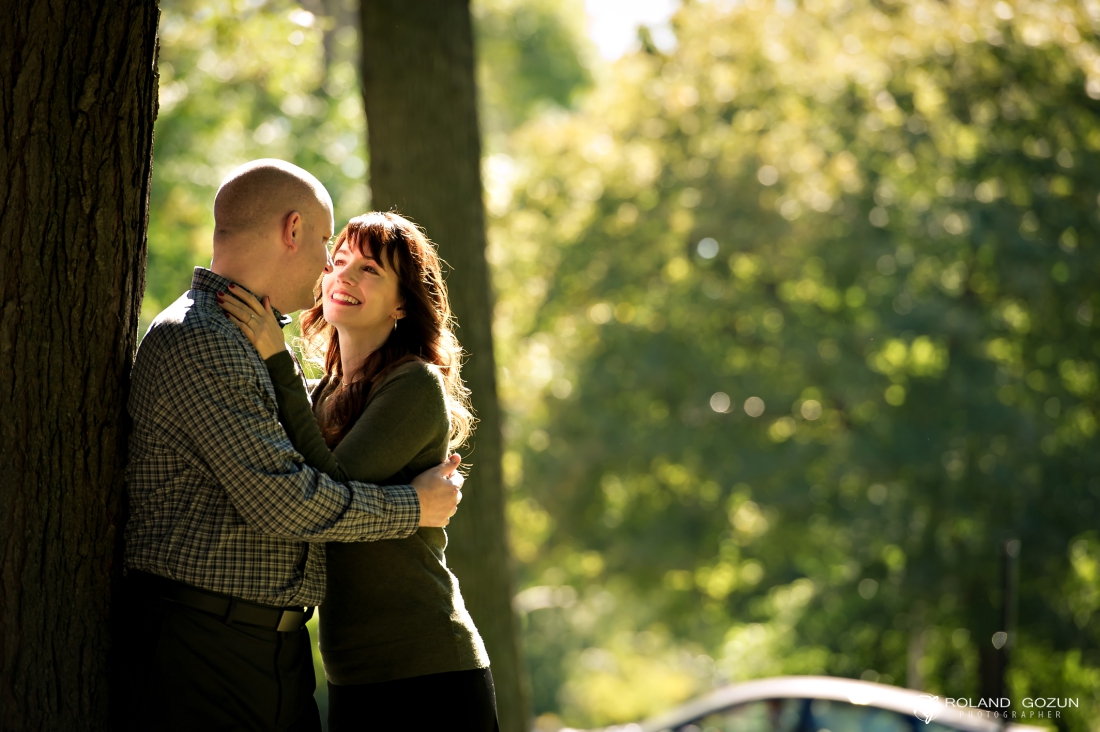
{"x":795,"y":323}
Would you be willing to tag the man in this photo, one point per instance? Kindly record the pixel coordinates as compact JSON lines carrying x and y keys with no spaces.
{"x":224,"y":560}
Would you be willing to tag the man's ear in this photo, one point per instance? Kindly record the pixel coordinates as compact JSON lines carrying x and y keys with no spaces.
{"x":293,"y":230}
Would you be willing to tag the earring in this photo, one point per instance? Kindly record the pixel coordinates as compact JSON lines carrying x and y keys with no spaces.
{"x":395,"y":323}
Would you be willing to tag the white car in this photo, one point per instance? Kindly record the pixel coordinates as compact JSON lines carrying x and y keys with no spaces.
{"x":826,"y":704}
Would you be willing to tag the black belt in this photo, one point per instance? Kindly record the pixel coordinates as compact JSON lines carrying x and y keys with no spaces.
{"x":230,"y":609}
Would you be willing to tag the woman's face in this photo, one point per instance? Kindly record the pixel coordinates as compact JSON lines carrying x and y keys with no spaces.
{"x":360,"y":293}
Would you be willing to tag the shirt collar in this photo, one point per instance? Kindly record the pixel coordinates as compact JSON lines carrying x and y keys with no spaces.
{"x":207,"y":281}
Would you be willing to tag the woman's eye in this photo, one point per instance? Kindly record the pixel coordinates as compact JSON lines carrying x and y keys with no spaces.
{"x":338,"y":262}
{"x":370,"y":268}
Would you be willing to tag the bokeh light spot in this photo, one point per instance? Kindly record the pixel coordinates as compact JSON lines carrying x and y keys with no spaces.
{"x":707,"y":248}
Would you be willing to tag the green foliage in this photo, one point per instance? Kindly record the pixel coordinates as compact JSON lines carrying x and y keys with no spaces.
{"x":245,"y":79}
{"x":529,"y":58}
{"x":796,"y":326}
{"x":795,"y":323}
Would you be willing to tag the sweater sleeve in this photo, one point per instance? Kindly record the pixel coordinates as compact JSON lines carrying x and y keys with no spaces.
{"x":297,"y":416}
{"x":406,"y":414}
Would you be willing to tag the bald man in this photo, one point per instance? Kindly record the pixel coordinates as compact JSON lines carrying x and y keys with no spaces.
{"x":224,"y":543}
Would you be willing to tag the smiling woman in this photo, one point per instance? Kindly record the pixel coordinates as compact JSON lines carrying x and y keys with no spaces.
{"x":384,"y":271}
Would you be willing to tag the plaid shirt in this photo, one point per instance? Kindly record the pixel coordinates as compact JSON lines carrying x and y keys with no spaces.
{"x":219,"y":498}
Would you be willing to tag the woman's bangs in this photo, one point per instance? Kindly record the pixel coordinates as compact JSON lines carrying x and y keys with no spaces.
{"x":376,"y":241}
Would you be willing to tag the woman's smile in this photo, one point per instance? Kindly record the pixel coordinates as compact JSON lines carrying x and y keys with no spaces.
{"x":343,"y":298}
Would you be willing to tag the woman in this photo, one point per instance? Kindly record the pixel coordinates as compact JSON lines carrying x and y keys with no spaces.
{"x":399,"y":648}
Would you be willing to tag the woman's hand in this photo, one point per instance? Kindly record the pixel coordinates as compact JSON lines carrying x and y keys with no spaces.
{"x":255,"y":320}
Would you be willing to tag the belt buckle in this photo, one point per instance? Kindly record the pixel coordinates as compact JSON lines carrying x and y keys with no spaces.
{"x":230,"y":614}
{"x":290,"y":620}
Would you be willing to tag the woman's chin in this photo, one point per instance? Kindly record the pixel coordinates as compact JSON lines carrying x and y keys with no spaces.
{"x":333,"y":316}
{"x":344,"y":317}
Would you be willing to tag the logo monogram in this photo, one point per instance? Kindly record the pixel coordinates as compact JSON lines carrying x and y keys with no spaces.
{"x":928,"y":708}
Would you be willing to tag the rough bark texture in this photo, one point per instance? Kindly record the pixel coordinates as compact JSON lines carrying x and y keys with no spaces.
{"x":425,"y":157}
{"x":78,"y":92}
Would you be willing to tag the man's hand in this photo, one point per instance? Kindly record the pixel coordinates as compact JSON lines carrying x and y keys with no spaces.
{"x":439,"y":490}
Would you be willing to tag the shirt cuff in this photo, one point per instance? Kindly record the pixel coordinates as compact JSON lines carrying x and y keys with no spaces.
{"x":406,"y":505}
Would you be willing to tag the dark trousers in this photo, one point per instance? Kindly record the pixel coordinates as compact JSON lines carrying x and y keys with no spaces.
{"x":459,"y":701}
{"x":189,"y":670}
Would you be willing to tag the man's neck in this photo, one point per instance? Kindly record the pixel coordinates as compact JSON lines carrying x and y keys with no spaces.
{"x":282,"y":319}
{"x":245,"y":260}
{"x":241,"y":276}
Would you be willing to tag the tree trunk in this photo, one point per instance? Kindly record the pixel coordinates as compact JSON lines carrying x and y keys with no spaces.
{"x":425,"y":158}
{"x":78,"y":91}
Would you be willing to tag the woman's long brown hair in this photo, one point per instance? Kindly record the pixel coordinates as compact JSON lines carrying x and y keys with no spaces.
{"x":424,"y":334}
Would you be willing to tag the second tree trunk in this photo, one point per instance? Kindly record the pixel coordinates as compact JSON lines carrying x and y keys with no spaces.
{"x":425,"y":157}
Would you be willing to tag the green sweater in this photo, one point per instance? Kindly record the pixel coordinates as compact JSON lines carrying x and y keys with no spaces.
{"x":392,"y":609}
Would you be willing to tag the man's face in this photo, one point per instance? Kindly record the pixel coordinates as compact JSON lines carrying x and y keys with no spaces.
{"x":313,"y":257}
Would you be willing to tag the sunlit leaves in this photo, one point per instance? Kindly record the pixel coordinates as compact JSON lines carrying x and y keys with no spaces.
{"x":899,"y":207}
{"x":531,"y":57}
{"x":921,"y":357}
{"x":1079,"y":377}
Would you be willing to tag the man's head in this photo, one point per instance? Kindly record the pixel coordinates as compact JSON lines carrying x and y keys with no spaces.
{"x":272,"y":224}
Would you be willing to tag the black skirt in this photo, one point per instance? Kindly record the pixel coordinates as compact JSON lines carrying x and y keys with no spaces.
{"x":458,"y":701}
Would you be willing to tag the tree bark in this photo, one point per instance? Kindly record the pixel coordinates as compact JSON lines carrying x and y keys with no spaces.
{"x":425,"y":157}
{"x":78,"y":94}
